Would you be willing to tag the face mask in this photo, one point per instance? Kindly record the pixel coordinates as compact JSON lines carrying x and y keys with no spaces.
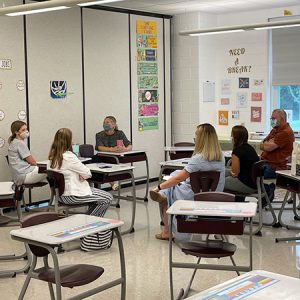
{"x":274,"y":123}
{"x":24,"y":135}
{"x":107,"y":127}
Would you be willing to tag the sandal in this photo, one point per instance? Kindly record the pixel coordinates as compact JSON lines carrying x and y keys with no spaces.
{"x":159,"y":236}
{"x":158,"y":197}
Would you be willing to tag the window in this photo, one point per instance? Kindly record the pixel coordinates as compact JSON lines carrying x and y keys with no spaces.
{"x":288,"y":98}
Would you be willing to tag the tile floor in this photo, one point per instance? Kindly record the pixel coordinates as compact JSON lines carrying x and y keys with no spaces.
{"x":147,"y":259}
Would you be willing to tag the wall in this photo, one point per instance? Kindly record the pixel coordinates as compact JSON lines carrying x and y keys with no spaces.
{"x":212,"y":60}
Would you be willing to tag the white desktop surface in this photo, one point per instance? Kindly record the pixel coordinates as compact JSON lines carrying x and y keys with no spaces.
{"x":287,"y":173}
{"x":285,"y":287}
{"x":121,"y":153}
{"x":179,"y":149}
{"x":45,"y":162}
{"x":214,"y":209}
{"x":6,"y":188}
{"x":43,"y":232}
{"x":108,"y":168}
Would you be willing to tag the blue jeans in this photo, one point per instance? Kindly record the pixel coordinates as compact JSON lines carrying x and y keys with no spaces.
{"x":269,"y":172}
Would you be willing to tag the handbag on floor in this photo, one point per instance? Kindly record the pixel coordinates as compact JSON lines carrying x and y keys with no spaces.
{"x":98,"y":241}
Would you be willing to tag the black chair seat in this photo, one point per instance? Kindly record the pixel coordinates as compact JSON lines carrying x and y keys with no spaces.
{"x":33,"y":185}
{"x":74,"y":275}
{"x":209,"y":248}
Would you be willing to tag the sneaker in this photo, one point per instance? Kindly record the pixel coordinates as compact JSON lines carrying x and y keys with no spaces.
{"x":115,"y":187}
{"x":158,"y":197}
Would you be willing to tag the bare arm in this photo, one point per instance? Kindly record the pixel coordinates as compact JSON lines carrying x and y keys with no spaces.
{"x":174,"y":180}
{"x":268,"y":145}
{"x":235,"y":166}
{"x":30,"y":160}
{"x":107,"y":149}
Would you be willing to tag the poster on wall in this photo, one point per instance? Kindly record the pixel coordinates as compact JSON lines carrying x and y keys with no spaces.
{"x":146,"y":41}
{"x":20,"y":85}
{"x":146,"y":27}
{"x":223,"y":117}
{"x":241,"y":100}
{"x":148,"y":96}
{"x":256,"y":96}
{"x":225,"y":101}
{"x":5,"y":64}
{"x":226,"y":87}
{"x":22,"y":115}
{"x":58,"y":89}
{"x":235,"y":114}
{"x":255,"y":114}
{"x":146,"y":68}
{"x":148,"y":123}
{"x":148,"y":109}
{"x":244,"y":83}
{"x":146,"y":54}
{"x":208,"y":91}
{"x":258,"y":82}
{"x":147,"y":82}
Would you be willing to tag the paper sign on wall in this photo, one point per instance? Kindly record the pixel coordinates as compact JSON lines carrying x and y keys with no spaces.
{"x":255,"y":114}
{"x":223,"y":117}
{"x":148,"y":96}
{"x":226,"y":87}
{"x":208,"y":91}
{"x":241,"y":100}
{"x":256,"y":96}
{"x":2,"y":115}
{"x":58,"y":89}
{"x":243,"y":82}
{"x":235,"y":114}
{"x":224,"y":101}
{"x":5,"y":64}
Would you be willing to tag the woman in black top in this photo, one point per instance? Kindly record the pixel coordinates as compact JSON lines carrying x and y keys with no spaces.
{"x":243,"y":158}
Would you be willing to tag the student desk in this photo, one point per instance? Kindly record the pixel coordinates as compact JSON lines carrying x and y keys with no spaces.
{"x":104,"y":173}
{"x":255,"y":285}
{"x":68,"y":229}
{"x":128,"y":157}
{"x":291,"y":183}
{"x":233,"y":210}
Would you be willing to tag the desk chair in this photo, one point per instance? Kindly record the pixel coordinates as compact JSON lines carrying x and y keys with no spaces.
{"x":258,"y":178}
{"x":66,"y":276}
{"x":57,"y":185}
{"x":28,"y":186}
{"x":209,"y":248}
{"x":181,"y":154}
{"x":86,"y":150}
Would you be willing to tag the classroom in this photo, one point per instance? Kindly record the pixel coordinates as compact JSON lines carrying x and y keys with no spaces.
{"x":150,"y":104}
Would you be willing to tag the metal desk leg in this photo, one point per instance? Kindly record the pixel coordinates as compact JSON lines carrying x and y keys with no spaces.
{"x":170,"y":258}
{"x":147,"y":183}
{"x":122,"y":264}
{"x":131,"y":228}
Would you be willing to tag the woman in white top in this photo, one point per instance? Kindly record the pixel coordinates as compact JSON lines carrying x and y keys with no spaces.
{"x":21,"y":162}
{"x":77,"y":189}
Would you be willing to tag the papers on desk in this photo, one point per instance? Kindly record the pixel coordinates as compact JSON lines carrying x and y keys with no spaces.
{"x":242,"y":288}
{"x":104,"y":166}
{"x":77,"y":229}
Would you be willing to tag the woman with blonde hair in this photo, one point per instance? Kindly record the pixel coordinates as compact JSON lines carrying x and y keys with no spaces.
{"x":77,"y":189}
{"x":21,"y":162}
{"x":207,"y":156}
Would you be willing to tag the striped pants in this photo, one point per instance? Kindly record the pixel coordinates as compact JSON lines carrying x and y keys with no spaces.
{"x":98,"y":204}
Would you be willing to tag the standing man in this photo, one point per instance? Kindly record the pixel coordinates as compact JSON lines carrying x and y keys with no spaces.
{"x":278,"y":145}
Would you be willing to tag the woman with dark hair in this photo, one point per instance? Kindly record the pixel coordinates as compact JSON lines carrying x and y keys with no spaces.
{"x":21,"y":161}
{"x":239,"y":179}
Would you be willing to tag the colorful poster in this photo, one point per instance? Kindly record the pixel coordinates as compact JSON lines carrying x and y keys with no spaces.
{"x":148,"y":96}
{"x":256,"y":114}
{"x":146,"y":41}
{"x":148,"y":109}
{"x":146,"y":54}
{"x":235,"y":114}
{"x":256,"y":96}
{"x":148,"y":123}
{"x":146,"y":68}
{"x":147,"y":82}
{"x":244,"y":83}
{"x":241,"y":100}
{"x":226,"y":87}
{"x":58,"y":89}
{"x":225,"y":101}
{"x":146,"y":27}
{"x":223,"y":117}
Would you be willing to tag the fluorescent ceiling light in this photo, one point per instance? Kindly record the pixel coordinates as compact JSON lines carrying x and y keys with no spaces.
{"x":36,"y":11}
{"x":216,"y":32}
{"x":97,"y":2}
{"x":238,"y":28}
{"x":275,"y":27}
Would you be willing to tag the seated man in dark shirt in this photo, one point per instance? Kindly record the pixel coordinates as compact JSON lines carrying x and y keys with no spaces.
{"x":277,"y":147}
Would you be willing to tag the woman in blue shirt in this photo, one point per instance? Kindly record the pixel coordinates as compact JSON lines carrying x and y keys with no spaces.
{"x":207,"y":157}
